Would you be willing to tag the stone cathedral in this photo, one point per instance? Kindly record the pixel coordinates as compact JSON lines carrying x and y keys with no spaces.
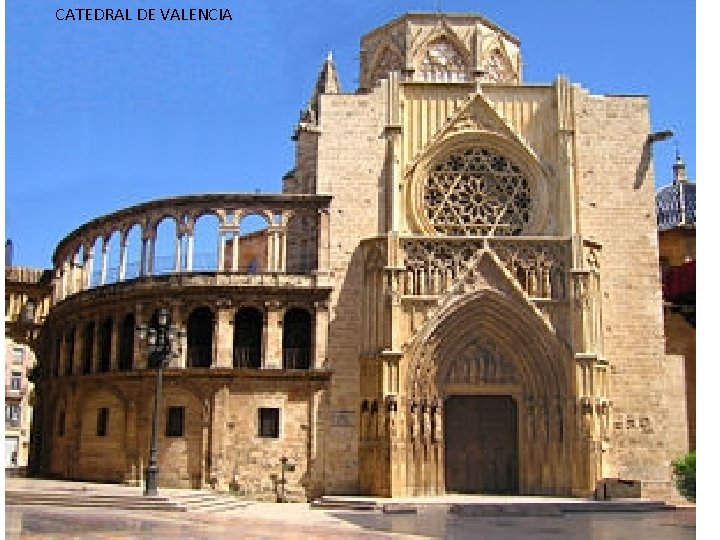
{"x":457,"y":291}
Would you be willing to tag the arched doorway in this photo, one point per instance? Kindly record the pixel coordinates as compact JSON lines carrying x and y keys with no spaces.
{"x":481,"y":444}
{"x":200,"y":338}
{"x":505,"y":384}
{"x":297,"y":327}
{"x":247,"y":338}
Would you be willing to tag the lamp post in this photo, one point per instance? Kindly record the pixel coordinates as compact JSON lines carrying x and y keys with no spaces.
{"x":159,"y":339}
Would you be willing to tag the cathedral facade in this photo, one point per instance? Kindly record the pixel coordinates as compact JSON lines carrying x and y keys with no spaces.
{"x":456,"y":291}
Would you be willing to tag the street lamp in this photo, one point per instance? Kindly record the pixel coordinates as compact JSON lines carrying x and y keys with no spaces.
{"x":159,"y":339}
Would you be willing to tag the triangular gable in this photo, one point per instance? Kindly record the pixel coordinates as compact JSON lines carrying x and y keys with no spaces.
{"x":477,"y":114}
{"x":486,"y":271}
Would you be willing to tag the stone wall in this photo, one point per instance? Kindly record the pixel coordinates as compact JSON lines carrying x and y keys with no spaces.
{"x":615,"y":194}
{"x":350,"y":166}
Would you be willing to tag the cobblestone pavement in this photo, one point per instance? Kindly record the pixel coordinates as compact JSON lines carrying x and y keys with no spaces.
{"x":297,"y":521}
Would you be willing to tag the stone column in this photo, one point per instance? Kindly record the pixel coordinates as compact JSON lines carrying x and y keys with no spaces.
{"x":176,"y":318}
{"x":235,"y":257}
{"x":103,"y":267}
{"x":189,"y":252}
{"x":77,"y":350}
{"x":178,"y":251}
{"x":114,"y":336}
{"x":223,"y":338}
{"x":270,"y":250}
{"x":123,"y":256}
{"x":62,"y":352}
{"x":87,"y":268}
{"x":221,"y":251}
{"x":220,"y":405}
{"x":133,"y":474}
{"x":281,"y":249}
{"x":140,"y":360}
{"x":143,"y":256}
{"x":151,"y":254}
{"x":272,"y":336}
{"x":320,"y":336}
{"x":95,"y":363}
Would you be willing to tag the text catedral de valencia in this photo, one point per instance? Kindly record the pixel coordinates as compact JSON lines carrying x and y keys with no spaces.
{"x":143,"y":14}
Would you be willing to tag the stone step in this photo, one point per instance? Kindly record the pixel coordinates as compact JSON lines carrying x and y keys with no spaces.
{"x":179,"y":503}
{"x":344,"y":504}
{"x":513,"y":507}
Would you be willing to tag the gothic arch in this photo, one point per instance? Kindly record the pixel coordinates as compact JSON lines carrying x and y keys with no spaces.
{"x":445,"y":36}
{"x":387,"y":57}
{"x":497,"y":49}
{"x":539,"y":358}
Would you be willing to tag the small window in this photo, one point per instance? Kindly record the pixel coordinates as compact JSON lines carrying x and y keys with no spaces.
{"x":15,"y":380}
{"x":175,"y":422}
{"x":269,"y":422}
{"x":17,"y":355}
{"x":61,"y":424}
{"x":12,"y":413}
{"x":102,"y":421}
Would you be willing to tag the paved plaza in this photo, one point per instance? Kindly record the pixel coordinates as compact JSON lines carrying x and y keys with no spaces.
{"x":256,"y":520}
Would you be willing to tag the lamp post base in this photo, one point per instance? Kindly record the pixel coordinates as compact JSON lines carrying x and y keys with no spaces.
{"x":151,"y":481}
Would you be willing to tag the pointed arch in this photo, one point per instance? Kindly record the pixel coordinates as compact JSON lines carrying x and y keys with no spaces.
{"x":442,"y":57}
{"x":387,"y":58}
{"x":497,"y":65}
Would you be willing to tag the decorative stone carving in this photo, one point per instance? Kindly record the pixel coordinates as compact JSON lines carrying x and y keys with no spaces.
{"x":442,"y":62}
{"x":495,"y":68}
{"x":481,"y":363}
{"x":477,"y":192}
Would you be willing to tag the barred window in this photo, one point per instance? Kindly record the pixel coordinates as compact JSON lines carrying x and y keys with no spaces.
{"x":103,"y":418}
{"x":175,"y":426}
{"x":269,"y":422}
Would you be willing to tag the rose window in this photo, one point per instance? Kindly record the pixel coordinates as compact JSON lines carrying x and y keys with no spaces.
{"x":477,"y":193}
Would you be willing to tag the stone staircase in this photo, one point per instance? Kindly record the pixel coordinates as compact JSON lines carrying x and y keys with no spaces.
{"x":122,"y":500}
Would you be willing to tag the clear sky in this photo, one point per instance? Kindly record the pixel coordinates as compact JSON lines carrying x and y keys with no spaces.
{"x":102,"y":115}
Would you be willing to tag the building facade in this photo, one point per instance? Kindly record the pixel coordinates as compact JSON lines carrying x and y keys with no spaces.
{"x":676,"y":234}
{"x":27,"y":301}
{"x":458,"y":291}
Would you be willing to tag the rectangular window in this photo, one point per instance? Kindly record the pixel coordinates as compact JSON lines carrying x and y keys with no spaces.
{"x":17,"y":356}
{"x":102,"y":421}
{"x":269,"y":422}
{"x":175,"y":422}
{"x":12,"y":412}
{"x":15,"y":380}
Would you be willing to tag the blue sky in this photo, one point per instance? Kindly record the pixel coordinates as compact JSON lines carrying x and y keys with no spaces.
{"x":102,"y":115}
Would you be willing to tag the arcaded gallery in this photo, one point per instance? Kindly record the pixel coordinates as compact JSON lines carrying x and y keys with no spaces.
{"x":456,"y":291}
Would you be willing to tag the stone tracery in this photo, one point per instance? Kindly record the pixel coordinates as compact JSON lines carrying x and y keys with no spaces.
{"x":442,"y":62}
{"x":495,"y":68}
{"x":477,"y":192}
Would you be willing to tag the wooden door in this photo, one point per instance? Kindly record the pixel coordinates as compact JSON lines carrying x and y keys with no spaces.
{"x":481,"y":449}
